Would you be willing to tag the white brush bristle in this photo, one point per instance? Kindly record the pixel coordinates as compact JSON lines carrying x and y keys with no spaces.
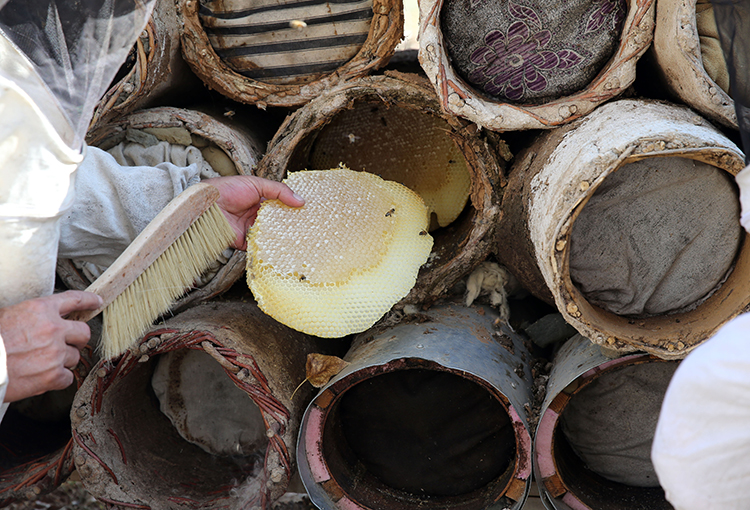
{"x":163,"y":282}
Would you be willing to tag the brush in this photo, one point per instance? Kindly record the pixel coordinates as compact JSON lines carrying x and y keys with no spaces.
{"x":158,"y":267}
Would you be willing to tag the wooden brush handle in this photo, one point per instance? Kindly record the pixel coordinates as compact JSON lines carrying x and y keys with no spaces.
{"x":159,"y":234}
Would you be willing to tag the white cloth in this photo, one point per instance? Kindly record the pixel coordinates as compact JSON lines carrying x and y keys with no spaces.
{"x":743,"y":181}
{"x":134,"y":154}
{"x":701,"y":449}
{"x":116,"y":201}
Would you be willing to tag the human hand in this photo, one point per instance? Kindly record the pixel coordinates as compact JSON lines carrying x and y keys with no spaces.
{"x":41,"y":347}
{"x":241,"y":196}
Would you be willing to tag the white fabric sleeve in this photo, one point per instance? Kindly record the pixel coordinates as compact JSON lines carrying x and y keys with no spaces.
{"x":702,"y":442}
{"x":743,"y":182}
{"x":114,"y":203}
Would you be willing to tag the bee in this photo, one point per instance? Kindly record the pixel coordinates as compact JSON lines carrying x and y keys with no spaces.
{"x":390,"y":213}
{"x":302,"y":278}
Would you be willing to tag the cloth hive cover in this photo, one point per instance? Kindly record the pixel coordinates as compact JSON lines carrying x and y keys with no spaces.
{"x":611,"y":422}
{"x":205,"y":406}
{"x":656,"y":236}
{"x":284,"y":42}
{"x":530,"y":51}
{"x":711,"y":53}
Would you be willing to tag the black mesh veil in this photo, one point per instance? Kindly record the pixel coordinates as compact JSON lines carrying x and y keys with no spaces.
{"x":733,"y":23}
{"x":76,"y":46}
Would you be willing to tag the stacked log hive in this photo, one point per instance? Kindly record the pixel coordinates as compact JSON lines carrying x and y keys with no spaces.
{"x":523,"y":205}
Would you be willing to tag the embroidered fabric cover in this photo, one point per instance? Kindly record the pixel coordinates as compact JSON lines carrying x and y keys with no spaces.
{"x":530,"y":51}
{"x":286,"y":41}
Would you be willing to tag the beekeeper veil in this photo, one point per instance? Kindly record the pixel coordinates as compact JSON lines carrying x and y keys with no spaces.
{"x":57,"y":58}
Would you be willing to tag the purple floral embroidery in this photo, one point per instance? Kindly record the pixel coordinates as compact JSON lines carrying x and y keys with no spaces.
{"x":522,"y":12}
{"x":513,"y":62}
{"x":599,"y":17}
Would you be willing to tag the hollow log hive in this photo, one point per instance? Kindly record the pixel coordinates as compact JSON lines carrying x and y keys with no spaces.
{"x":575,"y":161}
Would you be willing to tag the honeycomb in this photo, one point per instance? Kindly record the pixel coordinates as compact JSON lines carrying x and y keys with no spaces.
{"x":337,"y":264}
{"x":401,"y":145}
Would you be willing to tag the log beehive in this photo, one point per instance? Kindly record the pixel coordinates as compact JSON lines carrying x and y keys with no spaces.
{"x":392,"y":126}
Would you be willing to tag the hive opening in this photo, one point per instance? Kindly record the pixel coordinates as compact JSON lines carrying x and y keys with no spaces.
{"x":419,"y":435}
{"x":126,"y":67}
{"x":205,"y":406}
{"x":404,"y":145}
{"x":158,"y":459}
{"x":657,"y":236}
{"x":286,"y":44}
{"x":602,"y":443}
{"x":530,"y":53}
{"x":35,"y":427}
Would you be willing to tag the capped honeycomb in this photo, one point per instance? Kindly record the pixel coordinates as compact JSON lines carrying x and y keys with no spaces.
{"x":402,"y":145}
{"x":337,"y":264}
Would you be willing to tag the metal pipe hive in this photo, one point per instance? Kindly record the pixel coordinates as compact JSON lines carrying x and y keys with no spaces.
{"x":564,"y":479}
{"x":398,"y":428}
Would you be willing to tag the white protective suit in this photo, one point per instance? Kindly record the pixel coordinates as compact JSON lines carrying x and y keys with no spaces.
{"x":37,"y":169}
{"x":701,"y":448}
{"x":36,"y":184}
{"x":114,"y":202}
{"x":57,"y":58}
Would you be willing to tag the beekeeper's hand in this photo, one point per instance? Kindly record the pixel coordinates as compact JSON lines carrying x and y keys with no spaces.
{"x":41,"y":347}
{"x":241,"y":196}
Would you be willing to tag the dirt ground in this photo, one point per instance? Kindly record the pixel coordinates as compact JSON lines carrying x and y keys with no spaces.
{"x":72,"y":495}
{"x":69,"y":495}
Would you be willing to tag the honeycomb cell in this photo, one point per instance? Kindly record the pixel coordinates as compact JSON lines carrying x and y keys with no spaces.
{"x":402,"y":145}
{"x":336,"y":265}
